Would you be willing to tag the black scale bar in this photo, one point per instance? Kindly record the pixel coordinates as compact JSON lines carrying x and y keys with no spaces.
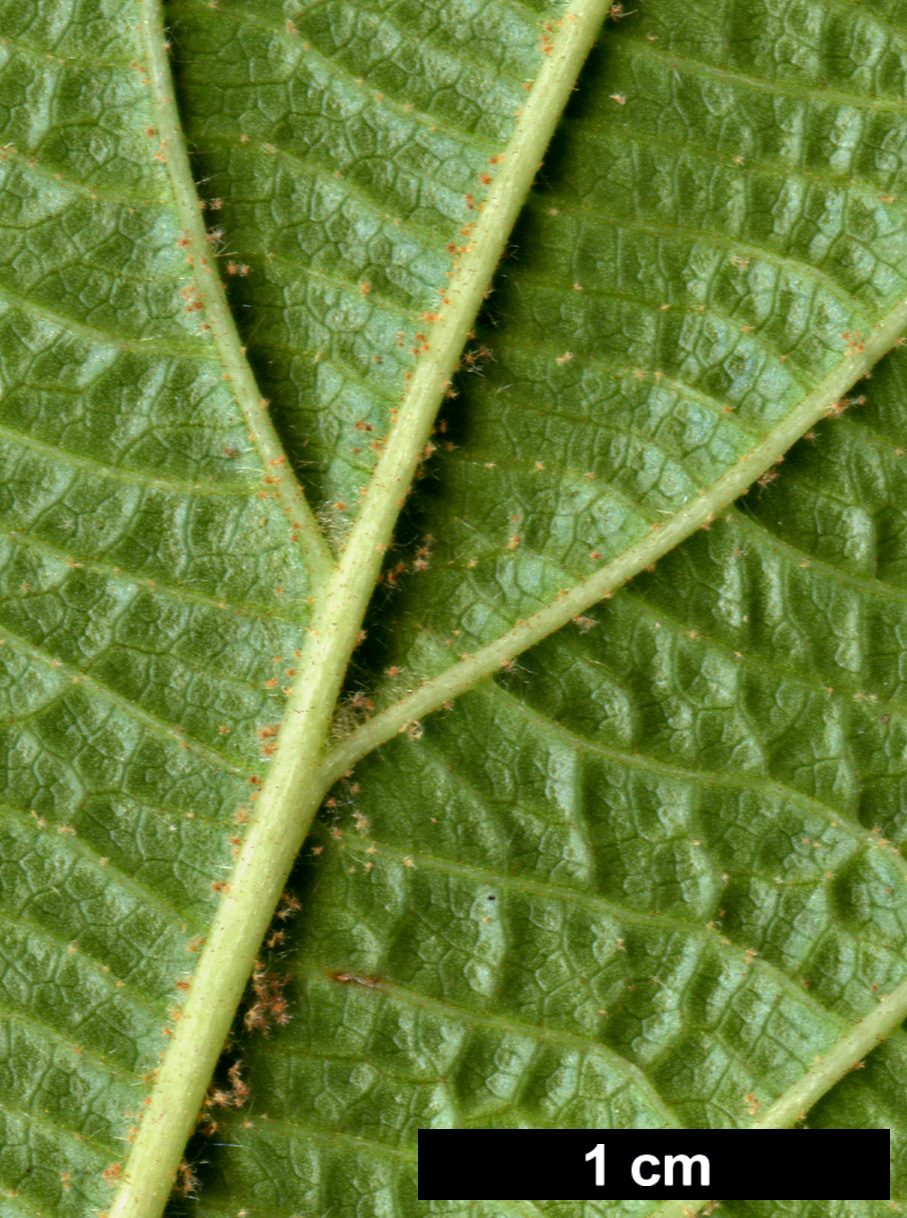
{"x":662,"y":1164}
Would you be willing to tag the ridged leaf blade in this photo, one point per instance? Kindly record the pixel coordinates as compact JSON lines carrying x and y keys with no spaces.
{"x":147,"y":591}
{"x":650,"y":872}
{"x":644,"y":880}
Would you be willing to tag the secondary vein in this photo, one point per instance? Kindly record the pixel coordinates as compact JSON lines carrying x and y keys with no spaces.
{"x":254,"y":407}
{"x":697,"y":512}
{"x":292,"y":791}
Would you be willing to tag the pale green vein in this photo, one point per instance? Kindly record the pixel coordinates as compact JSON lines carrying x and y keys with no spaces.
{"x":40,"y":169}
{"x":71,"y":325}
{"x":598,"y":490}
{"x":284,"y":1129}
{"x":410,"y":113}
{"x":349,"y":287}
{"x":786,"y":88}
{"x":805,"y":561}
{"x":735,"y":328}
{"x":21,"y":1206}
{"x":671,"y":456}
{"x":860,"y":430}
{"x":124,"y":474}
{"x":735,"y":247}
{"x":454,"y":52}
{"x":146,"y":584}
{"x":528,"y":1031}
{"x":47,"y":1123}
{"x":751,"y":660}
{"x":381,"y":397}
{"x":658,"y":379}
{"x":220,"y":322}
{"x":700,"y":510}
{"x":640,"y":514}
{"x":42,"y":55}
{"x":751,"y":165}
{"x":869,"y":17}
{"x":836,"y":818}
{"x":293,"y":786}
{"x":847,"y":1051}
{"x":708,"y":934}
{"x":55,"y":1039}
{"x":351,"y":190}
{"x":78,"y":850}
{"x":115,"y":986}
{"x":158,"y":726}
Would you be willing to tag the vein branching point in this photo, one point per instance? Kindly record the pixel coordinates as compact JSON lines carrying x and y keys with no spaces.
{"x":293,"y":787}
{"x":660,"y":857}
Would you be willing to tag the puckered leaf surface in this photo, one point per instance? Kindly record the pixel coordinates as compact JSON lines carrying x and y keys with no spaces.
{"x":649,"y":873}
{"x":714,"y":229}
{"x":139,"y":622}
{"x":641,"y":881}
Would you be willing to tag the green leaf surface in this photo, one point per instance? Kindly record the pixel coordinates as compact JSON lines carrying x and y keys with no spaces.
{"x":599,"y":845}
{"x":642,"y":881}
{"x":140,"y":624}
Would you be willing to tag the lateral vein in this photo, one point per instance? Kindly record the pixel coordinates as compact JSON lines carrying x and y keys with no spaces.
{"x":254,"y":407}
{"x":699,"y":511}
{"x":845,"y":1055}
{"x":292,"y":790}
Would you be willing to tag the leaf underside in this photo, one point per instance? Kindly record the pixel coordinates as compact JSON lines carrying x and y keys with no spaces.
{"x":645,"y":876}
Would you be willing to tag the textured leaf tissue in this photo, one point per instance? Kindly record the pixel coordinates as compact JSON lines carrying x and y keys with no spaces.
{"x":453,"y":607}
